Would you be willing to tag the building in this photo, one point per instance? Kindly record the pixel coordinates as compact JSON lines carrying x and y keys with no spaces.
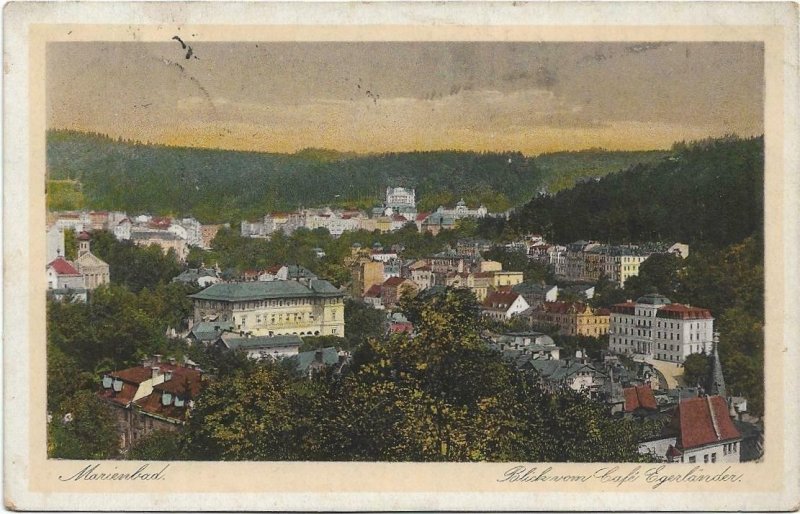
{"x":700,"y":431}
{"x":572,"y":318}
{"x":162,"y":238}
{"x":584,"y":291}
{"x":61,"y":274}
{"x":154,"y":396}
{"x":393,"y":289}
{"x":279,"y":307}
{"x":374,"y":297}
{"x":657,"y":328}
{"x":366,"y":274}
{"x":261,"y":347}
{"x":422,"y":276}
{"x":315,"y":361}
{"x":94,"y":270}
{"x":638,"y":399}
{"x":437,"y":222}
{"x":503,"y":305}
{"x":536,"y":294}
{"x":207,"y":332}
{"x":524,"y":346}
{"x":400,"y":200}
{"x":473,"y":247}
{"x":506,"y":278}
{"x":122,"y":229}
{"x":576,"y":374}
{"x":202,"y":277}
{"x":462,"y":211}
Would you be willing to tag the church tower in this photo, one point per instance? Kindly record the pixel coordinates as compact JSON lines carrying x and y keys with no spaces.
{"x":716,"y":382}
{"x":83,"y":243}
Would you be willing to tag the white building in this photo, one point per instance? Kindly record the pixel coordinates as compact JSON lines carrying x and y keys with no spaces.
{"x":193,"y":228}
{"x":179,"y":231}
{"x":122,"y":229}
{"x":503,"y":305}
{"x":657,"y":328}
{"x":399,"y":198}
{"x":462,"y":211}
{"x":700,"y":432}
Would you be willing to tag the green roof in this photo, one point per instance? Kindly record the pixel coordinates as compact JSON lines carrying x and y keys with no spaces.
{"x":245,"y":291}
{"x":330,"y":356}
{"x":654,"y":299}
{"x":250,"y":343}
{"x":209,"y":330}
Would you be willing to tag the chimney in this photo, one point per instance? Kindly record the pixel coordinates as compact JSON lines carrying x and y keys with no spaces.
{"x":167,"y":375}
{"x":318,"y":356}
{"x":172,"y":360}
{"x":157,"y":357}
{"x":155,"y":371}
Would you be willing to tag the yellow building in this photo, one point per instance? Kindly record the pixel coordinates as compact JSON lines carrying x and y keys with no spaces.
{"x":490,"y":266}
{"x":306,"y":307}
{"x":383,"y":224}
{"x":506,"y":278}
{"x":573,"y":318}
{"x":365,"y":273}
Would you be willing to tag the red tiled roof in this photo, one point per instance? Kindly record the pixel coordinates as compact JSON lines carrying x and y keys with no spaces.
{"x":63,"y":267}
{"x":84,"y":236}
{"x":374,"y":291}
{"x":394,"y":281}
{"x":496,"y":298}
{"x":123,"y":397}
{"x":152,"y":404}
{"x":185,"y":382}
{"x":398,"y":327}
{"x":639,"y":397}
{"x":422,"y":215}
{"x":602,"y":312}
{"x":673,"y":452}
{"x":399,"y":217}
{"x":696,"y":426}
{"x":133,"y":377}
{"x":679,"y":311}
{"x":139,"y":374}
{"x":624,"y":308}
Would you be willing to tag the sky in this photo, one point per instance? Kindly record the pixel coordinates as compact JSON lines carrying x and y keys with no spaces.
{"x":369,"y":97}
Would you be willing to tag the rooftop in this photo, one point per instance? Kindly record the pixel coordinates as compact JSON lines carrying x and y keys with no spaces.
{"x":703,"y":420}
{"x":63,"y":267}
{"x":246,"y":291}
{"x":251,"y":343}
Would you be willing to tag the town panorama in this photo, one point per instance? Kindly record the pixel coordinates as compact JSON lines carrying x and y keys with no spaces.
{"x":330,"y":303}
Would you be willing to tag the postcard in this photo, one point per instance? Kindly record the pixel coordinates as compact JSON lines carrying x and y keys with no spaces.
{"x":400,"y":256}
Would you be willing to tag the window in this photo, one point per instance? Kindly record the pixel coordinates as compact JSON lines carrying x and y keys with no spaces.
{"x":705,"y":458}
{"x":714,"y":457}
{"x":692,"y":459}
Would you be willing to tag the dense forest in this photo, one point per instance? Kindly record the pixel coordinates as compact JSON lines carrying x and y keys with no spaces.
{"x":218,"y":185}
{"x":708,"y":192}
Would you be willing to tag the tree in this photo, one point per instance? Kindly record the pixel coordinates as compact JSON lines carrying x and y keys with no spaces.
{"x":157,"y":445}
{"x":82,"y":428}
{"x":258,"y":414}
{"x":695,"y":369}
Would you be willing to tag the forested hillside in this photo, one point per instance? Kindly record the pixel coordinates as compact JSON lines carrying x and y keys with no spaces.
{"x":220,"y":185}
{"x":706,"y":192}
